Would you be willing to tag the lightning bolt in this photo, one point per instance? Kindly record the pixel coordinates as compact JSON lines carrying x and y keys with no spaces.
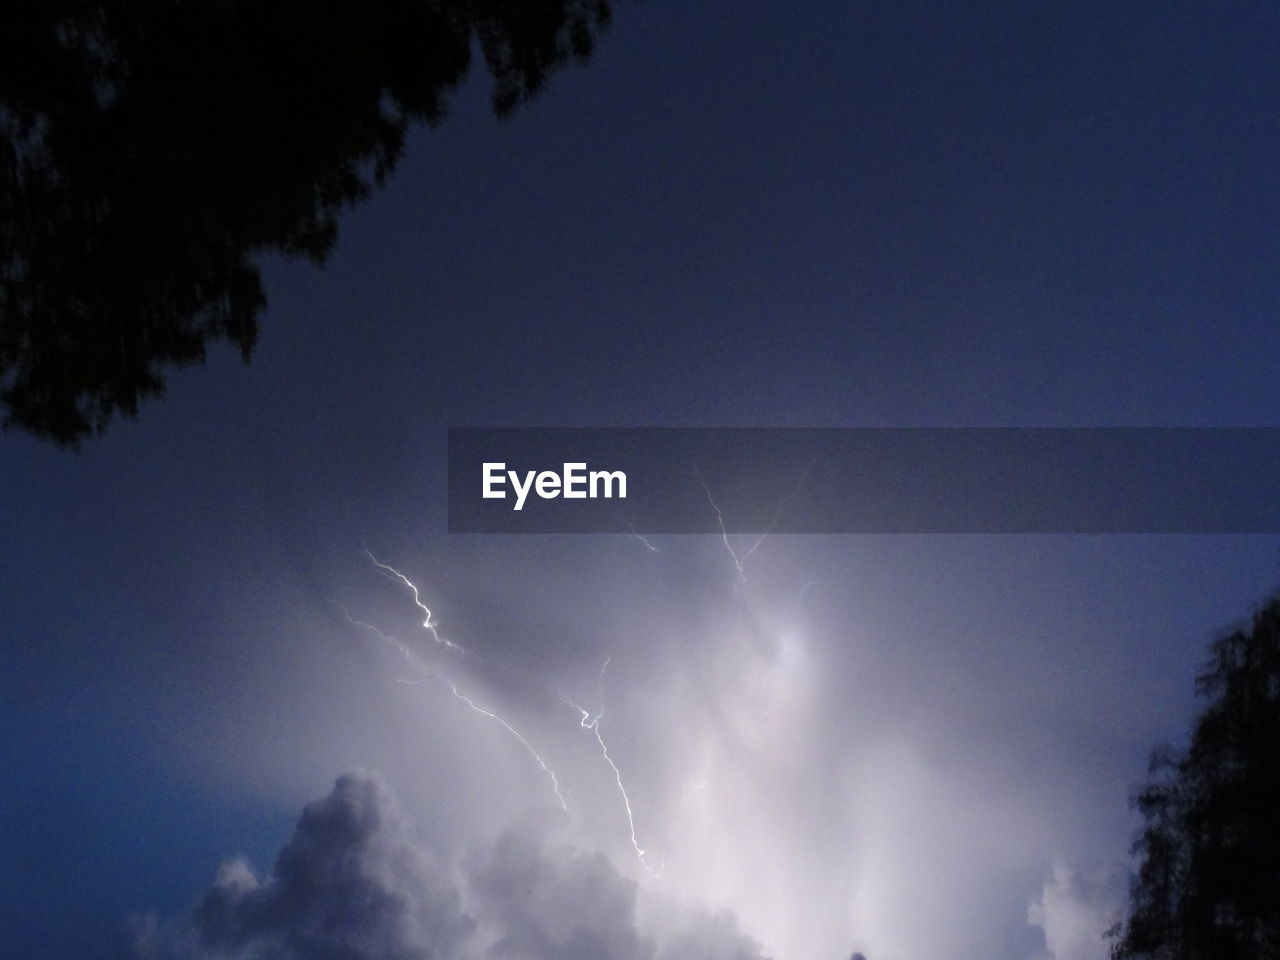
{"x":429,"y":674}
{"x":740,"y":560}
{"x":587,"y":720}
{"x":400,"y":647}
{"x":643,"y":539}
{"x":428,"y":621}
{"x":453,"y":687}
{"x":592,"y":723}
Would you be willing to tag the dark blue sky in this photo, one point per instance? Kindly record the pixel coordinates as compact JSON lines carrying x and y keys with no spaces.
{"x":737,"y":214}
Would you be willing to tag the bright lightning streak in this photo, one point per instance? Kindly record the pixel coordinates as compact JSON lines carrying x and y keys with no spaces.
{"x":592,"y":723}
{"x":587,"y":721}
{"x":555,"y":781}
{"x":428,"y":622}
{"x":428,"y":674}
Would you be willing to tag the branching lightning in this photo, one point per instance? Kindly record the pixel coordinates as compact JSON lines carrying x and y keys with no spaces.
{"x":587,"y":720}
{"x":429,"y":674}
{"x":591,"y":722}
{"x":428,"y":622}
{"x":740,"y":560}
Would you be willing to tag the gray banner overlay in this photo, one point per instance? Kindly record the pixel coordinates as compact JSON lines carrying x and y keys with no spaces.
{"x":865,"y":480}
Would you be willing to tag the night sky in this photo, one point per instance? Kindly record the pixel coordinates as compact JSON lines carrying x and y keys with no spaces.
{"x":736,"y":214}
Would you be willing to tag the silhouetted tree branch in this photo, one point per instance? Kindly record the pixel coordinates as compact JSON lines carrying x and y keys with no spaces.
{"x":150,"y":150}
{"x":1209,"y":883}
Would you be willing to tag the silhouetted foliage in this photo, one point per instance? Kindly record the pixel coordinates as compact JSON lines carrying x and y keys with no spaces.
{"x":150,"y":149}
{"x":1209,"y":883}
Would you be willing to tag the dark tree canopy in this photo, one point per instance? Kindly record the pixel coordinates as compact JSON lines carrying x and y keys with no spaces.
{"x":150,"y":150}
{"x":1209,"y":883}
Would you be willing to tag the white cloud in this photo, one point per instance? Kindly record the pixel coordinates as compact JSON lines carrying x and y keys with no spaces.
{"x":1076,"y":909}
{"x":354,"y":883}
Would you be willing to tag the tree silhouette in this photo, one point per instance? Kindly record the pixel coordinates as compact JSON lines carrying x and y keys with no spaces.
{"x":151,"y":150}
{"x":1209,"y":883}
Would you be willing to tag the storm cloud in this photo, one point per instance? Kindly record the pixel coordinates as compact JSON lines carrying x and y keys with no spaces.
{"x":355,"y":883}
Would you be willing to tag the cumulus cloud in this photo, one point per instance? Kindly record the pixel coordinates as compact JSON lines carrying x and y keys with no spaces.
{"x":351,"y":883}
{"x":354,"y":883}
{"x":555,"y":904}
{"x":1076,"y":909}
